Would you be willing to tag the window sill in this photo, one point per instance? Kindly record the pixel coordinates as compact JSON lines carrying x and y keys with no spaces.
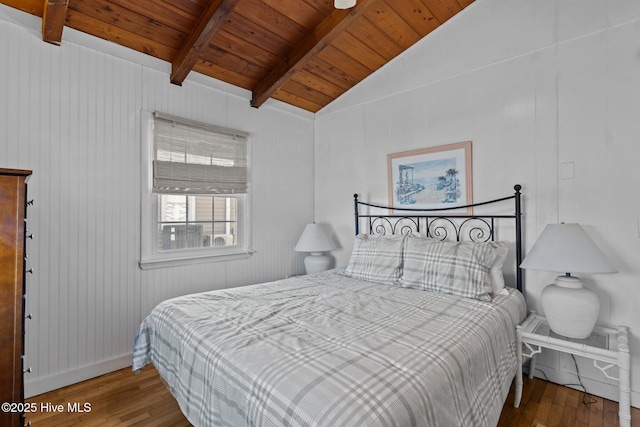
{"x":165,"y":262}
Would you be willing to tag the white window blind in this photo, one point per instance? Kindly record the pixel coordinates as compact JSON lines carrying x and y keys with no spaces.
{"x":195,"y":158}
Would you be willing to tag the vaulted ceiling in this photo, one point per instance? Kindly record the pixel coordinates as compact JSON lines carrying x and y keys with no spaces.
{"x":302,"y":52}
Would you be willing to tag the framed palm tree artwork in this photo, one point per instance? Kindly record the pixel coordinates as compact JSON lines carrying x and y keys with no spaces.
{"x":431,"y":178}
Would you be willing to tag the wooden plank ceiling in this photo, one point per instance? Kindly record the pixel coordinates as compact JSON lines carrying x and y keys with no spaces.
{"x":303,"y":52}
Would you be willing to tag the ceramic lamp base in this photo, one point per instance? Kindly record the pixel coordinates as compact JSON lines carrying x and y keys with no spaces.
{"x":570,"y":308}
{"x":316,"y":262}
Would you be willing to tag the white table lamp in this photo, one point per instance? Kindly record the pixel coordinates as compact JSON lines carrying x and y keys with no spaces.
{"x":315,"y":240}
{"x":570,"y":308}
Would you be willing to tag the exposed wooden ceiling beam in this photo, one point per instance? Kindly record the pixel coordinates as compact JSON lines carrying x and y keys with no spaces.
{"x":199,"y":38}
{"x":327,"y":31}
{"x":53,"y":19}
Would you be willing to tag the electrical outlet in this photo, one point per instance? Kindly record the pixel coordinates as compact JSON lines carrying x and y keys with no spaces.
{"x":567,"y":170}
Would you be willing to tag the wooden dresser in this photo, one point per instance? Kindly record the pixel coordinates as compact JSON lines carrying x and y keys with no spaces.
{"x":13,"y":209}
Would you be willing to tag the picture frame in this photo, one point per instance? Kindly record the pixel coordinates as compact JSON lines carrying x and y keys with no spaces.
{"x":429,"y":178}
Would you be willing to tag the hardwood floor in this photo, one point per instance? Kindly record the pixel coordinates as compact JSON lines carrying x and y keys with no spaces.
{"x":545,"y":404}
{"x":124,"y":399}
{"x":120,"y":398}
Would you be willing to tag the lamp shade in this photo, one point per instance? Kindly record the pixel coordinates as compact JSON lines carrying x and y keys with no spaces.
{"x":566,"y":248}
{"x":315,"y":238}
{"x":344,"y":4}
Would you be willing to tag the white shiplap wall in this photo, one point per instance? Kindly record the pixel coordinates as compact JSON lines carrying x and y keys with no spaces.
{"x":534,"y":84}
{"x":72,"y":115}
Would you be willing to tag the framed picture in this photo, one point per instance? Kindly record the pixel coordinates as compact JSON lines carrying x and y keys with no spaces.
{"x":431,"y":178}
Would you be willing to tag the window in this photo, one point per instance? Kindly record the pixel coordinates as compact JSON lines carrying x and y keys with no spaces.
{"x":195,"y":198}
{"x":196,"y":221}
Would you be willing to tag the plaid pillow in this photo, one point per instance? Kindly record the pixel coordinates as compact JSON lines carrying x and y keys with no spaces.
{"x":457,"y":268}
{"x":376,"y":259}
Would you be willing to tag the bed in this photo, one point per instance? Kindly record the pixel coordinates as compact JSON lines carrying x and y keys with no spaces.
{"x":414,"y":331}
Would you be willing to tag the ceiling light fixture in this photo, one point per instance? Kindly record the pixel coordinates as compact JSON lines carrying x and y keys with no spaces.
{"x":344,"y":4}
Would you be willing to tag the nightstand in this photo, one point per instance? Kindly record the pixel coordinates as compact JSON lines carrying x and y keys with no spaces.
{"x":607,"y":347}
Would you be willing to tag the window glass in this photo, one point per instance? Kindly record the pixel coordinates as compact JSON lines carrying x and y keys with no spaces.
{"x":196,"y":221}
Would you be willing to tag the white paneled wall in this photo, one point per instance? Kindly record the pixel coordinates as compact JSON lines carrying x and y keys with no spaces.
{"x":72,"y":115}
{"x":535,"y":84}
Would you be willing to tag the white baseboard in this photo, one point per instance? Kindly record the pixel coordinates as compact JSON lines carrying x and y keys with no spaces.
{"x":63,"y":379}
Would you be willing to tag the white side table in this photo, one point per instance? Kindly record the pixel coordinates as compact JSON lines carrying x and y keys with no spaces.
{"x":607,"y":347}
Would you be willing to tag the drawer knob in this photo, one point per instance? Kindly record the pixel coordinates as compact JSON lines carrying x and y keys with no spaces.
{"x":27,"y":371}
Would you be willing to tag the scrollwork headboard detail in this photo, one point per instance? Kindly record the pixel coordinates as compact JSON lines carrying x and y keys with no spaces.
{"x":435,"y":224}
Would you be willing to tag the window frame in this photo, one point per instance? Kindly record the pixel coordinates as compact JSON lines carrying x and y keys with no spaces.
{"x":150,"y":256}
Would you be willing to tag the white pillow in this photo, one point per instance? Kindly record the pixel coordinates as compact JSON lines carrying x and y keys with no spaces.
{"x":376,"y":259}
{"x":497,"y":277}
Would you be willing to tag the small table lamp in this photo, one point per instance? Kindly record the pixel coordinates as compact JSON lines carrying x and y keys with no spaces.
{"x":315,"y":240}
{"x":570,"y":308}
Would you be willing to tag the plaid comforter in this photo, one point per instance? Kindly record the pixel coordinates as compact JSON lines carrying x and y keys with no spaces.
{"x":328,"y":350}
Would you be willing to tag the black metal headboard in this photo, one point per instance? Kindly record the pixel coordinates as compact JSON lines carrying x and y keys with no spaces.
{"x":432,"y":223}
